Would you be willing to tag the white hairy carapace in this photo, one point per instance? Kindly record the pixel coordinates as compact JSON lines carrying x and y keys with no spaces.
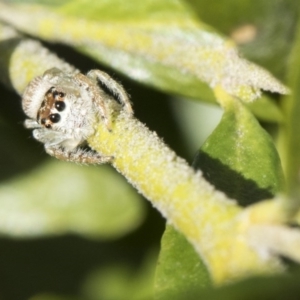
{"x":64,"y":109}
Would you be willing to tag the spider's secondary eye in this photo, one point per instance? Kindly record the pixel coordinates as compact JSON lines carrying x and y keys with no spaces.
{"x":43,"y":121}
{"x":54,"y":118}
{"x":48,"y":126}
{"x":60,"y":106}
{"x":57,"y":94}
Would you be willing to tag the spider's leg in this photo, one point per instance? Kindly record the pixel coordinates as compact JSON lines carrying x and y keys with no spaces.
{"x":49,"y":137}
{"x":30,"y":124}
{"x":77,"y":155}
{"x":113,"y":86}
{"x":93,"y":91}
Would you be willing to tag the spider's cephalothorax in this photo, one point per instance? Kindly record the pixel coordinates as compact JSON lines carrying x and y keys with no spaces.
{"x":64,"y":108}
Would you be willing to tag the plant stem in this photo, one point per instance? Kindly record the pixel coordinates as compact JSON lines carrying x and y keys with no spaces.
{"x":207,"y":218}
{"x":23,"y":59}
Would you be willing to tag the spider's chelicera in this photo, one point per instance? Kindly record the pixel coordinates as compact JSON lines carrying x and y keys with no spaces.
{"x":65,"y":107}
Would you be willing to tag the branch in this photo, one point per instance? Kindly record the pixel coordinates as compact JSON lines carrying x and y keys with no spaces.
{"x":23,"y":59}
{"x":208,"y":219}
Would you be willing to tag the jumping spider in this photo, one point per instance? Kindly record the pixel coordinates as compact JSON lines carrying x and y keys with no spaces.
{"x":63,"y":109}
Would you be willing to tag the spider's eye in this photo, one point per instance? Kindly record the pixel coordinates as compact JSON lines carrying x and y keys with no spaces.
{"x":60,"y":105}
{"x":48,"y":126}
{"x":54,"y":118}
{"x":58,"y":95}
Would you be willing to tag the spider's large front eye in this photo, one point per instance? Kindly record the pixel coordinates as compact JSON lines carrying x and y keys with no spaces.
{"x":60,"y":105}
{"x":54,"y":118}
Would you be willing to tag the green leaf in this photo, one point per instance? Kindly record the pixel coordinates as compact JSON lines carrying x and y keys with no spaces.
{"x":198,"y":119}
{"x":239,"y":157}
{"x":59,"y":197}
{"x":180,"y":269}
{"x":158,"y":43}
{"x":290,"y":134}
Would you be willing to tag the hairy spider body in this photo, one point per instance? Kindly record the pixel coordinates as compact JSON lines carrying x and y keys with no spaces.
{"x":65,"y":107}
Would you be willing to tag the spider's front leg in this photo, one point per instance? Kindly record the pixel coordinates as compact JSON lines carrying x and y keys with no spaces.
{"x":113,"y":86}
{"x":62,"y":147}
{"x":77,"y":155}
{"x":30,"y":124}
{"x":92,"y":91}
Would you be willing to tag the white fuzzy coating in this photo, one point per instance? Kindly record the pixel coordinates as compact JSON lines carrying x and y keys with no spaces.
{"x":34,"y":95}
